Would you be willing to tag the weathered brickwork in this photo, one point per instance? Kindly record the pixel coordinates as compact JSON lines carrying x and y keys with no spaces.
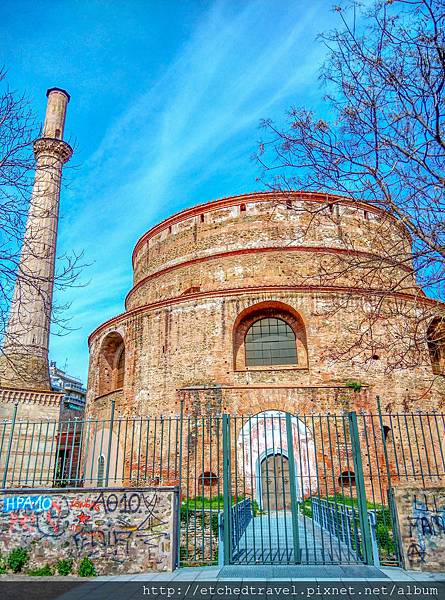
{"x":121,"y":530}
{"x":421,"y":518}
{"x":199,"y":271}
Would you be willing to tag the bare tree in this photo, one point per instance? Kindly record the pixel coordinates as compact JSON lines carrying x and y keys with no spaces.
{"x":382,"y":142}
{"x":18,"y":131}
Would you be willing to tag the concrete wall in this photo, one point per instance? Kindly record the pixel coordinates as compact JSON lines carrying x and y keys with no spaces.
{"x":122,"y":530}
{"x":421,"y":520}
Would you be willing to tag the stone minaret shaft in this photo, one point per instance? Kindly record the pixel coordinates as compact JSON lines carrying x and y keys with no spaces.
{"x":26,"y":340}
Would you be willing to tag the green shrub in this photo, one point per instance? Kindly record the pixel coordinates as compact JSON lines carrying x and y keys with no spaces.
{"x":41,"y":571}
{"x":64,"y":566}
{"x":3,"y":565}
{"x":17,"y":559}
{"x":86,"y":568}
{"x":354,"y":385}
{"x":385,"y":539}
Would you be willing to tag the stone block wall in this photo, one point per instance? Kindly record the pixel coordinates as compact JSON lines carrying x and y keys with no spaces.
{"x":122,"y":530}
{"x":421,"y":522}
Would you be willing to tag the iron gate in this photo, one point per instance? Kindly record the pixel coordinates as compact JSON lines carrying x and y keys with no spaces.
{"x":283,"y":500}
{"x":249,"y":486}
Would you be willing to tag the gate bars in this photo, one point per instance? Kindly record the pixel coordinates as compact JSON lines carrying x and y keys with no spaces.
{"x":310,"y":500}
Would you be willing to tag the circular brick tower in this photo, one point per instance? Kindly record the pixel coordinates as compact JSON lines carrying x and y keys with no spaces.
{"x":249,"y":303}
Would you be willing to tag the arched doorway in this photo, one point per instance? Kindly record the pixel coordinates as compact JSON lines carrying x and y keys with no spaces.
{"x":264,"y":436}
{"x":275,"y":482}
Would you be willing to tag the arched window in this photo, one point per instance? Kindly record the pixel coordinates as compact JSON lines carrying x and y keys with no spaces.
{"x":270,"y":341}
{"x":436,"y":345}
{"x":100,"y":470}
{"x":347,"y":479}
{"x":111,"y":364}
{"x":207,"y":479}
{"x":269,"y":335}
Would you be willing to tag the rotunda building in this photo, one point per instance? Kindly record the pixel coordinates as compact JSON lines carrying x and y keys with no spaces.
{"x":255,"y":303}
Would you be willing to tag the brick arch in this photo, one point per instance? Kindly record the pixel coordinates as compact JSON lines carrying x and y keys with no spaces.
{"x":111,"y":365}
{"x":268,"y":309}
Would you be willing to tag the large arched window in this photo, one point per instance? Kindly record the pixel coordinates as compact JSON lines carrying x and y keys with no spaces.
{"x":436,"y":345}
{"x":270,"y":341}
{"x":269,"y":335}
{"x":111,"y":364}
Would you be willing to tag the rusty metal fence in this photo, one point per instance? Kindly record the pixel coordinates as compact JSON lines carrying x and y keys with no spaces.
{"x":348,"y":463}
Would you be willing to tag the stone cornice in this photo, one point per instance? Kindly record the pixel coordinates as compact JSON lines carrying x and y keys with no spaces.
{"x":296,"y":289}
{"x":21,"y":396}
{"x":279,"y":249}
{"x":54,"y":148}
{"x":280,"y":196}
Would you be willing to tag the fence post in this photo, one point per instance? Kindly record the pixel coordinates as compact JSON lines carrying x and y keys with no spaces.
{"x":385,"y":450}
{"x":361,"y":493}
{"x":179,"y":473}
{"x":8,"y":452}
{"x":226,"y":491}
{"x":293,"y":490}
{"x":110,"y":439}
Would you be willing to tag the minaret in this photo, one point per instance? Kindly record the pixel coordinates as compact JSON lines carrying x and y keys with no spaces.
{"x":24,"y":361}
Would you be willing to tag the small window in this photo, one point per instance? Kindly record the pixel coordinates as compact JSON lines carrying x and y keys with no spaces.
{"x":242,"y":208}
{"x":202,"y":218}
{"x":366,"y":215}
{"x":288,"y":204}
{"x":347,"y":479}
{"x":100,"y":470}
{"x":386,"y":433}
{"x":207,"y":479}
{"x":270,"y":341}
{"x":57,"y":134}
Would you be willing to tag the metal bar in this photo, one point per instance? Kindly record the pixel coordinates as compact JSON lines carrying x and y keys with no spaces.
{"x":227,"y":492}
{"x":110,"y":440}
{"x":8,"y":452}
{"x":361,"y":493}
{"x":180,"y":424}
{"x":293,"y":491}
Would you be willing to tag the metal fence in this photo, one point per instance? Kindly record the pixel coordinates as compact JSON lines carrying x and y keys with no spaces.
{"x":220,"y":461}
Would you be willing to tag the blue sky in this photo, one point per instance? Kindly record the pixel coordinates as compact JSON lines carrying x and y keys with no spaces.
{"x":166,"y":98}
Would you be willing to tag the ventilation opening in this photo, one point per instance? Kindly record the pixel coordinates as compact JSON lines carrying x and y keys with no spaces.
{"x":208,"y":478}
{"x":386,"y":432}
{"x":347,"y":479}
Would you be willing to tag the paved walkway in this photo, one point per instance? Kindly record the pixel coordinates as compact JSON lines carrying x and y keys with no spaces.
{"x":268,"y":539}
{"x":283,"y":573}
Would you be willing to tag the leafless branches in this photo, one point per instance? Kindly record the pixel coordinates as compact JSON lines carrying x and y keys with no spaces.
{"x":381,"y":139}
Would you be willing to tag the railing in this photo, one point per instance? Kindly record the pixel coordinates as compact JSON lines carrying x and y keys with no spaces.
{"x":242,"y":515}
{"x":339,"y":520}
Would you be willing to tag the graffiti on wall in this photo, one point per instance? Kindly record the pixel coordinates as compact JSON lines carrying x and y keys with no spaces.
{"x":421,"y":515}
{"x":112,"y":526}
